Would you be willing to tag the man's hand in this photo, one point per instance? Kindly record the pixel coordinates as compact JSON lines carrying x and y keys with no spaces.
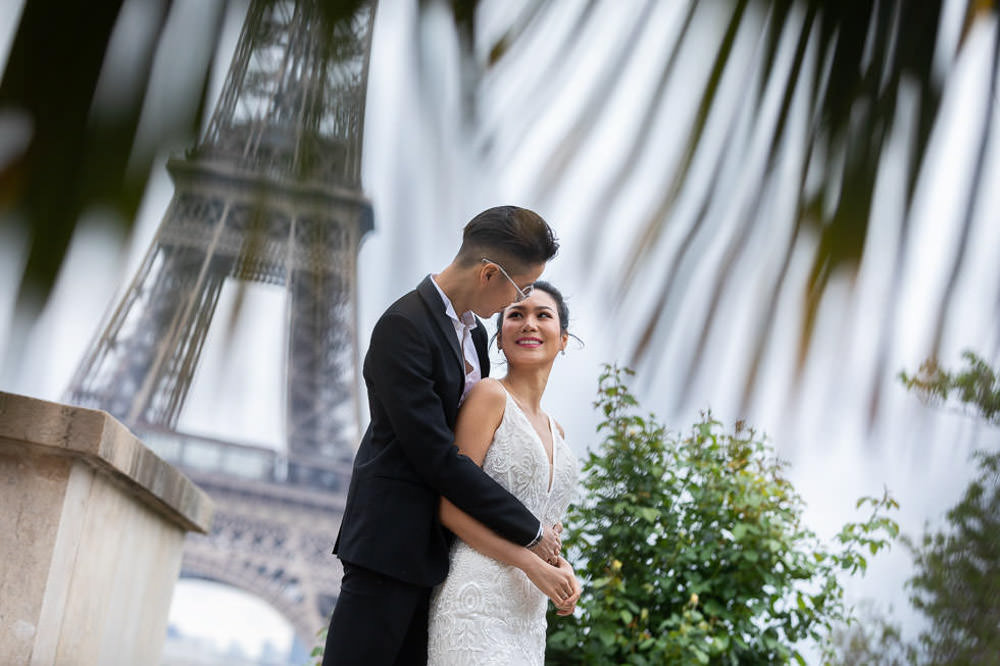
{"x":550,"y":545}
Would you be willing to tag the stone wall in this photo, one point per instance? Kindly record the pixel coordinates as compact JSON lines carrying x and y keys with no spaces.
{"x":92,"y":526}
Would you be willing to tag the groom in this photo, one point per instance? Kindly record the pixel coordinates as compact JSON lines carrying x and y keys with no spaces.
{"x":426,"y":352}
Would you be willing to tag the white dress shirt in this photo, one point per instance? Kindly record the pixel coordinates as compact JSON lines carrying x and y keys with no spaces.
{"x":463,"y":331}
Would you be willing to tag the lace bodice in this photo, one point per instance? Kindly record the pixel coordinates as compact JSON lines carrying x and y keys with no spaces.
{"x":487,"y":612}
{"x":518,"y":462}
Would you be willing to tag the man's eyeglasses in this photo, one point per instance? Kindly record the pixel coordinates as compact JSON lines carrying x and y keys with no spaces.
{"x":521,"y":293}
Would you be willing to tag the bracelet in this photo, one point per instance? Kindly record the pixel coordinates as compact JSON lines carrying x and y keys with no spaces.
{"x":538,"y":537}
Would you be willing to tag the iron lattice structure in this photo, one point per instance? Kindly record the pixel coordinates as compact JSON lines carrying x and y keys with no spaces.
{"x":271,"y":193}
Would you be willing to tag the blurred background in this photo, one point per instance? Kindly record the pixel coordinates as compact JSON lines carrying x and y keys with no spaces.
{"x":767,"y":208}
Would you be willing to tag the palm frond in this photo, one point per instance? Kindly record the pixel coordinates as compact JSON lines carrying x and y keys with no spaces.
{"x":869,"y":79}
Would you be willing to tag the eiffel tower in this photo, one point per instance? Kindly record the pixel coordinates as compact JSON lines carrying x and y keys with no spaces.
{"x":271,"y":193}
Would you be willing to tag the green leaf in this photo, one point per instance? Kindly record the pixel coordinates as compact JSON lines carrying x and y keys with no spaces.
{"x":649,"y":514}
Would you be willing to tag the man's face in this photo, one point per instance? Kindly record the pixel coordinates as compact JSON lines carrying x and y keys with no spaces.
{"x":496,"y":291}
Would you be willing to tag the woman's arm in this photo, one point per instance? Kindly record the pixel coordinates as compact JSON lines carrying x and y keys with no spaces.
{"x":558,"y":583}
{"x":478,"y":420}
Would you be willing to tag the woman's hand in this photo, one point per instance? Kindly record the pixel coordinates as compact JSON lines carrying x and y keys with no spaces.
{"x":569,"y":605}
{"x":557,"y":582}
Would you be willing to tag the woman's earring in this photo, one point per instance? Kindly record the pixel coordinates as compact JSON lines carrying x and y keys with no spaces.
{"x":563,"y":351}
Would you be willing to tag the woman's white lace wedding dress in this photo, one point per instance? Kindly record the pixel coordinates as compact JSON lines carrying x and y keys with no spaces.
{"x":487,"y":612}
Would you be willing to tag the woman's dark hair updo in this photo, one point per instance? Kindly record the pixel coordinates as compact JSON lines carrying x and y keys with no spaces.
{"x":561,"y":308}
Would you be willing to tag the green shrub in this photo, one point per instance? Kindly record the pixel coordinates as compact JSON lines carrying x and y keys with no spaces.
{"x":692,"y":550}
{"x":977,"y":387}
{"x":956,"y":583}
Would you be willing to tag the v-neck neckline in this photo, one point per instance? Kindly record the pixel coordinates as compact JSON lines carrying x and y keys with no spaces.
{"x":541,"y":443}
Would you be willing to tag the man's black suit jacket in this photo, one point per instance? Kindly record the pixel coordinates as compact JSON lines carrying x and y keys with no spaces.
{"x":415,"y":374}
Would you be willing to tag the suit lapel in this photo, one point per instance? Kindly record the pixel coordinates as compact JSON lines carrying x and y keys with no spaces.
{"x":432,"y":299}
{"x":482,"y":347}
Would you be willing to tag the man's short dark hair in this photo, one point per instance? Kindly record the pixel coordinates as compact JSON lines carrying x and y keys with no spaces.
{"x":514,"y":237}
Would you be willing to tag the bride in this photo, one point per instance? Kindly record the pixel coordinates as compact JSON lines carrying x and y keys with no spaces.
{"x":491,"y":608}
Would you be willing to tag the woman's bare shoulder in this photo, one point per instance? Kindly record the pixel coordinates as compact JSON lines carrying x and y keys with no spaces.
{"x":479,"y":418}
{"x":487,"y":396}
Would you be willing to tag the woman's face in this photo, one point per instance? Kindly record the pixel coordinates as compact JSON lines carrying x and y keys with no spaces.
{"x":530,"y":330}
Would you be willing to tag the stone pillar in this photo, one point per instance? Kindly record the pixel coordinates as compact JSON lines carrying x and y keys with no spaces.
{"x":92,"y":527}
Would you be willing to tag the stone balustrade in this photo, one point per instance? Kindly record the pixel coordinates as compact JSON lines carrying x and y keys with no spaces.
{"x":92,"y":527}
